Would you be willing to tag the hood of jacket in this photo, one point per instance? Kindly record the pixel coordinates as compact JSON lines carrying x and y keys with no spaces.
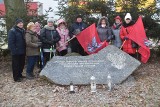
{"x":49,"y":28}
{"x":105,"y":18}
{"x":129,"y":24}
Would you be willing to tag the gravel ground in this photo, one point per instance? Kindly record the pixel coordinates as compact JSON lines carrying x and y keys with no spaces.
{"x":141,"y":89}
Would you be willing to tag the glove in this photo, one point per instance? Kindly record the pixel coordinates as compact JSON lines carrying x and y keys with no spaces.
{"x":126,"y":38}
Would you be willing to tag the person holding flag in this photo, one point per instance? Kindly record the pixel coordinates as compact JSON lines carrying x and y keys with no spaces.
{"x":129,"y":46}
{"x":64,"y":33}
{"x":104,"y":31}
{"x":49,"y":38}
{"x":75,"y":29}
{"x":134,"y":38}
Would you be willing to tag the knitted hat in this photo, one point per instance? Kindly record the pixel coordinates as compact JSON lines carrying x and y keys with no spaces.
{"x":128,"y":16}
{"x":50,"y":20}
{"x":60,"y":21}
{"x":118,"y":17}
{"x":18,"y":20}
{"x":79,"y":16}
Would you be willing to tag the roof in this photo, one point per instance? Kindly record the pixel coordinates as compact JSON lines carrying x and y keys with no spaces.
{"x":2,"y":10}
{"x":33,"y":8}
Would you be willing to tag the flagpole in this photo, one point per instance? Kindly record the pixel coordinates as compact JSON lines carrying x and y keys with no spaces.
{"x":123,"y":44}
{"x":66,"y":42}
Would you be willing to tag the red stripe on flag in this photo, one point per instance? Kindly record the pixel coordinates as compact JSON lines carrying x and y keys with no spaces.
{"x":90,"y":41}
{"x":138,"y":35}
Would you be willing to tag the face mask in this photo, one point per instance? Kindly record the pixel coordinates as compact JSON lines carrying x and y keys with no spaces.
{"x":62,"y":27}
{"x":103,"y":25}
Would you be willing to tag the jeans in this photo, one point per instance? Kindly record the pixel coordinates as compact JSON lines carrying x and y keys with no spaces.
{"x":31,"y":61}
{"x":18,"y":62}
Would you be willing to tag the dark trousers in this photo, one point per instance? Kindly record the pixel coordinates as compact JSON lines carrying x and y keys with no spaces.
{"x":18,"y":62}
{"x":136,"y":56}
{"x":63,"y":52}
{"x":46,"y":56}
{"x":31,"y":61}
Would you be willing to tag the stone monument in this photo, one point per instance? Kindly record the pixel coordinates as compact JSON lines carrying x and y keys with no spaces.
{"x":79,"y":69}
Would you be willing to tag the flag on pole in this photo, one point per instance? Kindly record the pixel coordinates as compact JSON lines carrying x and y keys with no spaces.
{"x":138,"y":35}
{"x":90,"y":41}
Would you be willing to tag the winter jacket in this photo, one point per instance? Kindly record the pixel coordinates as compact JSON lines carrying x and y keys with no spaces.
{"x":105,"y":33}
{"x":49,"y":37}
{"x":16,"y":41}
{"x":32,"y":40}
{"x":125,"y":30}
{"x":64,"y":36}
{"x":81,"y":26}
{"x":116,"y":31}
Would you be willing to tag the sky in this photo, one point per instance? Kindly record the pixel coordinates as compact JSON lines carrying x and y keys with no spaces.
{"x":47,"y":4}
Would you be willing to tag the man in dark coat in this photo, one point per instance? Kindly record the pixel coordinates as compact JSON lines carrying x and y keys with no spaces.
{"x":49,"y":37}
{"x":76,"y":28}
{"x":16,"y":44}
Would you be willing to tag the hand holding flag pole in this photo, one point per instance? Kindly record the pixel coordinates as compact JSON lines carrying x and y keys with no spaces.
{"x":122,"y":44}
{"x":66,"y":42}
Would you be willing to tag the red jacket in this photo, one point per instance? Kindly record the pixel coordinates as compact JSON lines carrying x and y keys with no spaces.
{"x":127,"y":47}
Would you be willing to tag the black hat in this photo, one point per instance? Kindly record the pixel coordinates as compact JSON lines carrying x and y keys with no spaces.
{"x":18,"y":20}
{"x":79,"y":16}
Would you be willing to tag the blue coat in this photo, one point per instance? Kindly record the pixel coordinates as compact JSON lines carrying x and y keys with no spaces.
{"x":16,"y":41}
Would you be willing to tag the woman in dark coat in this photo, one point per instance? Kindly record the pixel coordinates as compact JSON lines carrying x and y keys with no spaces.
{"x":49,"y":38}
{"x":16,"y":44}
{"x":104,"y":31}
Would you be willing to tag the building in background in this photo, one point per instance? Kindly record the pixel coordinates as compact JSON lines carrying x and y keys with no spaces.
{"x":33,"y":8}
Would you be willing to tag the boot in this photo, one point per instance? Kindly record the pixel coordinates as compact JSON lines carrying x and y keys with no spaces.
{"x":29,"y":76}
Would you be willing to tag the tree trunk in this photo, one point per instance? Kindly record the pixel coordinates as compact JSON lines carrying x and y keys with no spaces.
{"x":14,"y":9}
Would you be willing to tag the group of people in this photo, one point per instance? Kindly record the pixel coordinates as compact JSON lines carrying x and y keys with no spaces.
{"x":117,"y":33}
{"x":50,"y":40}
